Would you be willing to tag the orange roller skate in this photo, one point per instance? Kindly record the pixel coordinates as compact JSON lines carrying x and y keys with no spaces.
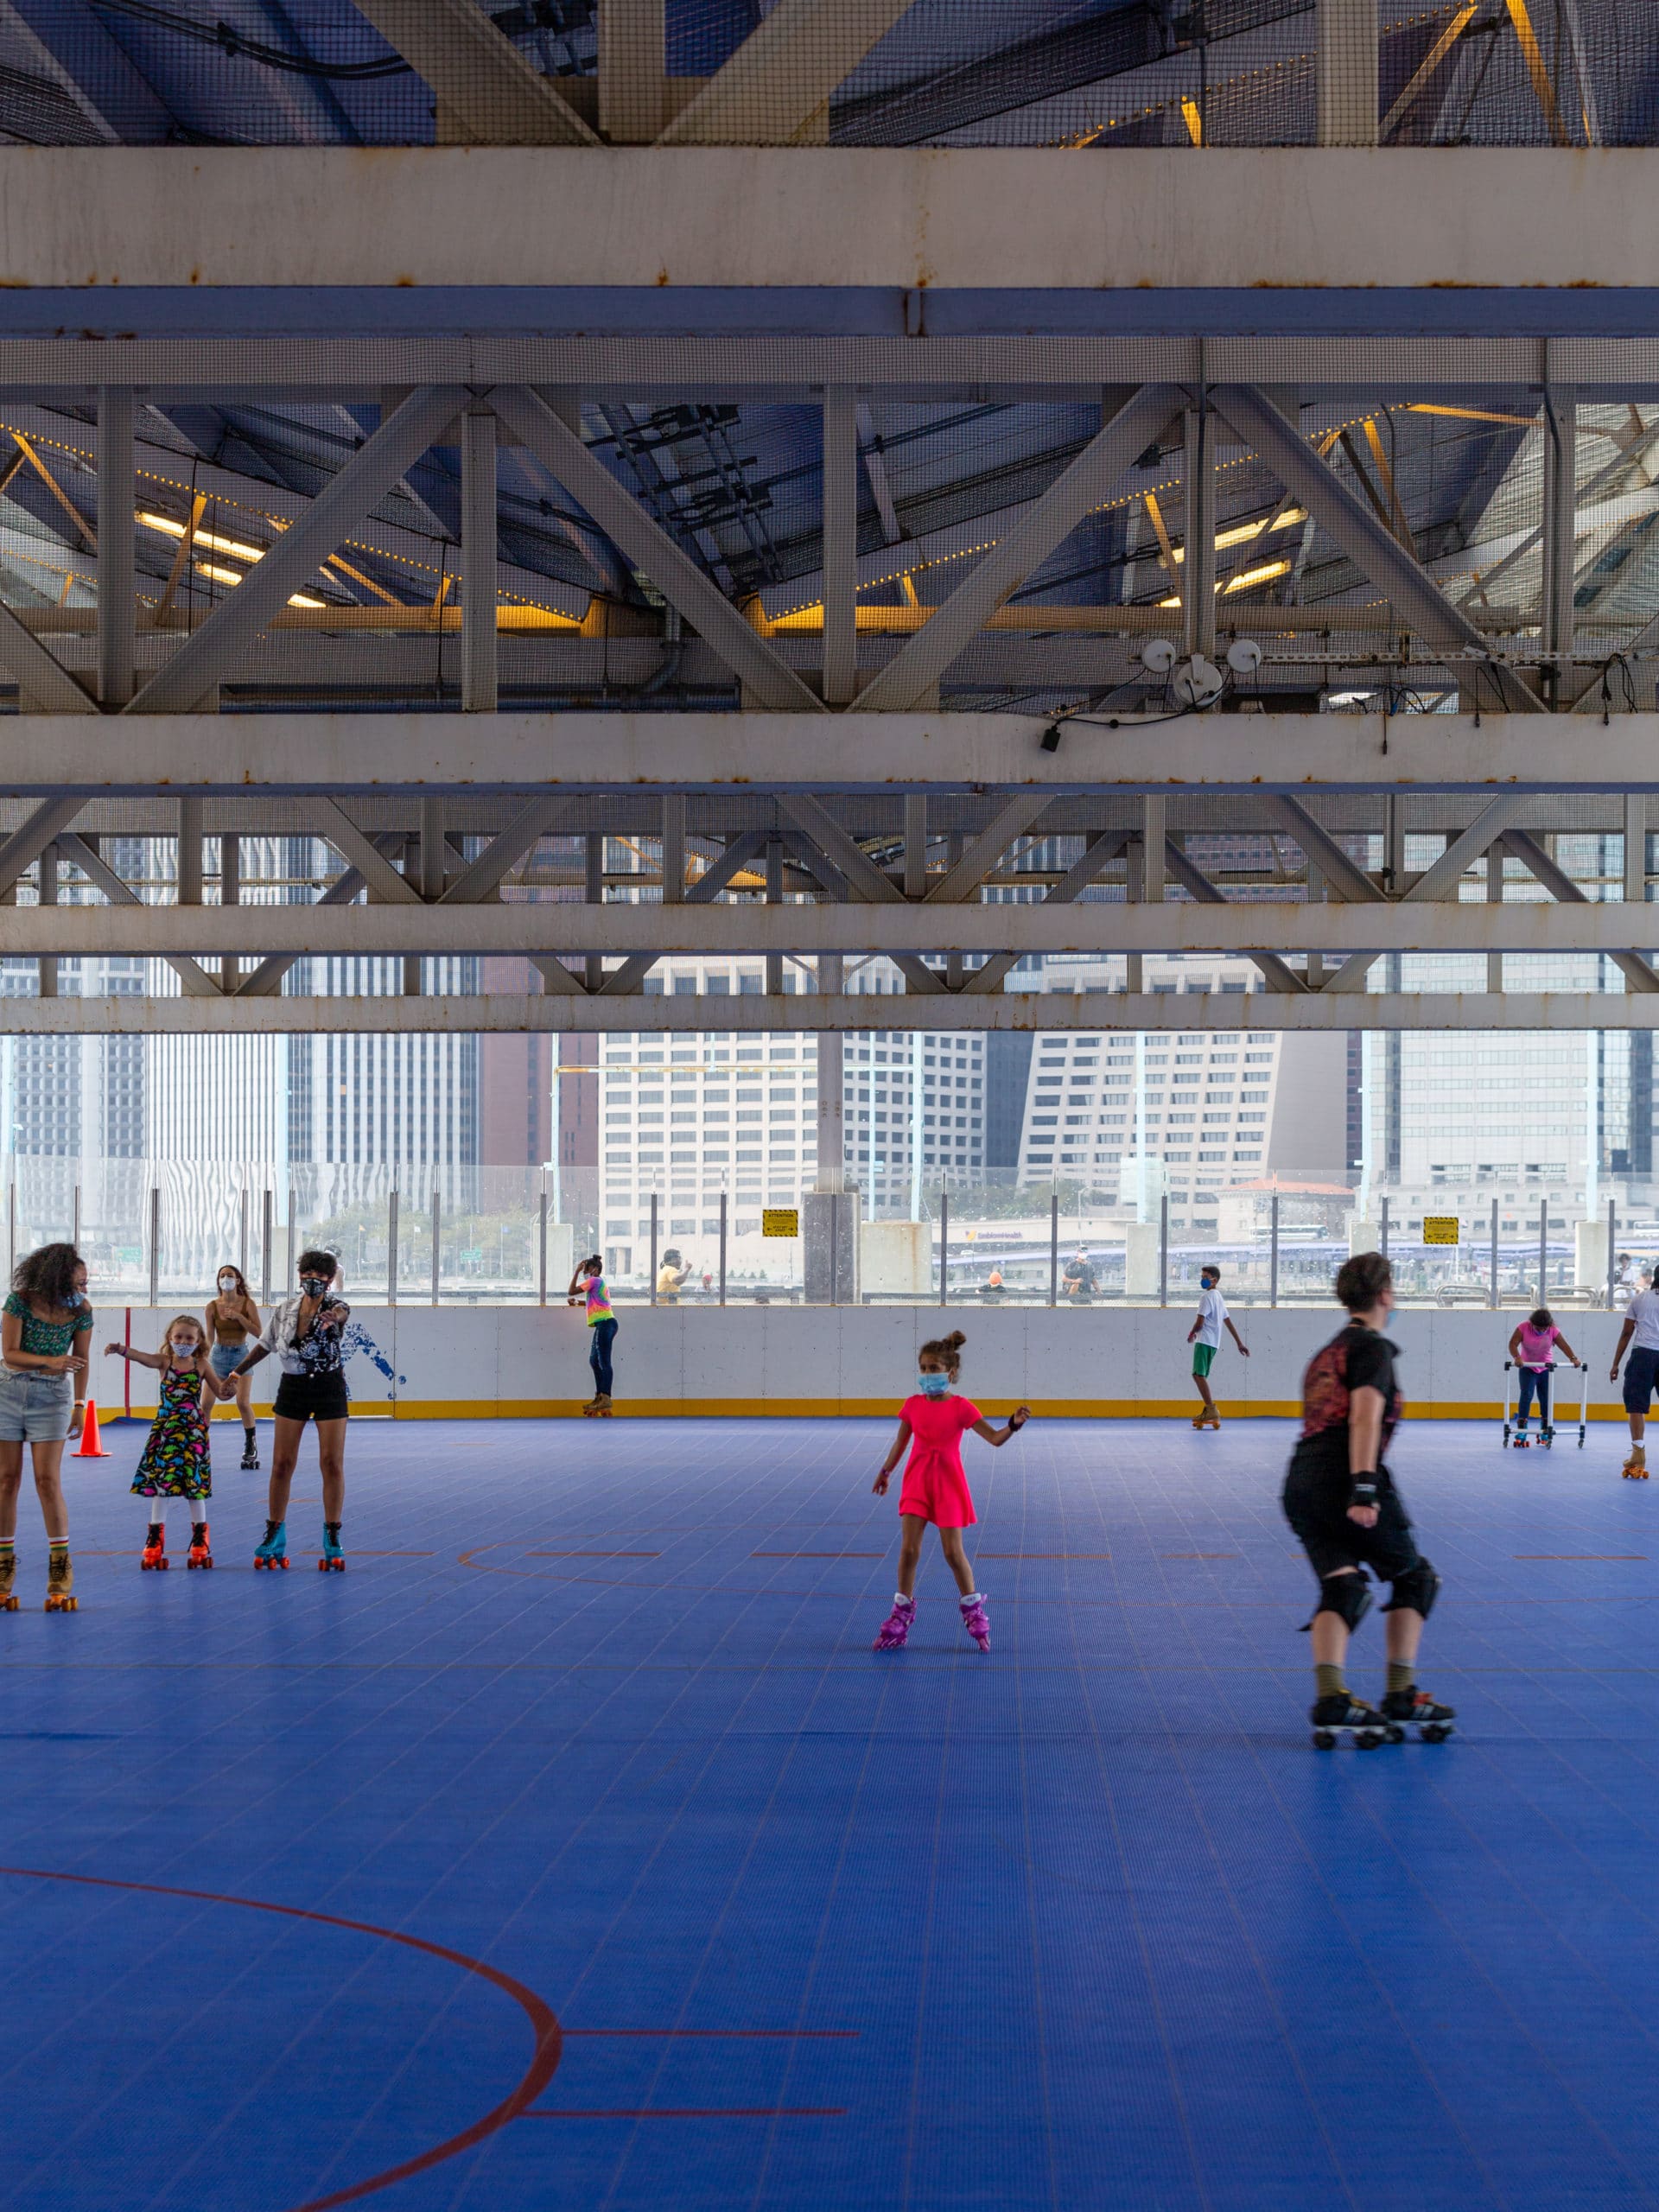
{"x":8,"y":1575}
{"x":1635,"y":1468}
{"x":154,"y":1555}
{"x":201,"y":1554}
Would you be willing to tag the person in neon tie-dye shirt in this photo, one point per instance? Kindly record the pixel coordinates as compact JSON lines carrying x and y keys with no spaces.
{"x":588,"y":1286}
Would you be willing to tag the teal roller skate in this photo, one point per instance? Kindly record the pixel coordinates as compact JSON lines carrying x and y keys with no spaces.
{"x":334,"y":1558}
{"x":273,"y":1553}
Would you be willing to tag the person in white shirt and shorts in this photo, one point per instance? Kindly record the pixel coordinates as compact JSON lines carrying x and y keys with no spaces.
{"x":1204,"y":1336}
{"x":1640,"y":1333}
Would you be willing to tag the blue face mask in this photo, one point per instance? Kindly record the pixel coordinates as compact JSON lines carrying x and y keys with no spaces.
{"x":933,"y":1386}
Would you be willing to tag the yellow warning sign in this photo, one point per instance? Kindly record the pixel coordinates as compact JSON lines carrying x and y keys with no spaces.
{"x":785,"y":1221}
{"x":1440,"y":1229}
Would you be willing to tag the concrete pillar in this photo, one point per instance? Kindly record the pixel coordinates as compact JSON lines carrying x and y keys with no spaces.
{"x":1345,"y":92}
{"x":1363,"y":1236}
{"x":832,"y":1136}
{"x":1590,"y":1254}
{"x":1141,"y":1259}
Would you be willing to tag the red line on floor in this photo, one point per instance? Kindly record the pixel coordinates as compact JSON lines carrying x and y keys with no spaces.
{"x":1581,"y":1555}
{"x":817,"y":1555}
{"x":543,"y":2060}
{"x":696,"y":2112}
{"x":1042,"y":1555}
{"x":593,"y":1554}
{"x":788,"y":2035}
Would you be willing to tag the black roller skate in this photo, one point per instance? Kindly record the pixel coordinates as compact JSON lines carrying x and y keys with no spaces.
{"x":1343,"y":1715}
{"x":251,"y":1457}
{"x":1415,"y":1708}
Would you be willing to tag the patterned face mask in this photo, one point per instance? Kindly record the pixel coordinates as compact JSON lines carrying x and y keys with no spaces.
{"x":182,"y":1347}
{"x":313,"y":1286}
{"x":933,"y":1386}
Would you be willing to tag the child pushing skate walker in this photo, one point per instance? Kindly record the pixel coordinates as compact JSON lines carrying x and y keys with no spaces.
{"x":1532,"y":1357}
{"x":176,"y":1463}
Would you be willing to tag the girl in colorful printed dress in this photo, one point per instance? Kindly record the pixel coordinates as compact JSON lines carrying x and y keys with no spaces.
{"x":587,"y":1284}
{"x":176,"y":1464}
{"x":935,"y":1488}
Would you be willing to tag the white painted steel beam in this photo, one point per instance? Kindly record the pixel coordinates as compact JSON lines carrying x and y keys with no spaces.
{"x":1222,"y":1013}
{"x":934,"y":217}
{"x":902,"y":930}
{"x":943,"y":752}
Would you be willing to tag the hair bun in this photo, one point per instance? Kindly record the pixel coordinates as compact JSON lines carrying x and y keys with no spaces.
{"x":956,"y":1339}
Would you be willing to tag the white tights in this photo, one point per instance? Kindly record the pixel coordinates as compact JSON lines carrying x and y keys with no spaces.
{"x":156,"y":1510}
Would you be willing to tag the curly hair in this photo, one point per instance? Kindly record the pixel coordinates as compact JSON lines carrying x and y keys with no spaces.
{"x":946,"y":1350}
{"x":46,"y":1277}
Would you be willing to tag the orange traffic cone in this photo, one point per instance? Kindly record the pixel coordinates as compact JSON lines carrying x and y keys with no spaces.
{"x":91,"y":1446}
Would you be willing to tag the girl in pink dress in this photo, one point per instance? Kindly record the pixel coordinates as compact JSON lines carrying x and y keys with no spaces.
{"x":935,"y":1488}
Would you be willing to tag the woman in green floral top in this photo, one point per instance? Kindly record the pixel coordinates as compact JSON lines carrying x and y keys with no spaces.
{"x":45,"y":1327}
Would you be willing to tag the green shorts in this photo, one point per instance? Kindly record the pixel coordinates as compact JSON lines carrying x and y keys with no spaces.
{"x":1202,"y":1356}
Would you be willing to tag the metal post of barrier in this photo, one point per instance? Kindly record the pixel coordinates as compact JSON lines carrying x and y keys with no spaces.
{"x":11,"y":1231}
{"x":1612,"y":1238}
{"x":155,"y":1246}
{"x":541,"y":1262}
{"x":1273,"y":1253}
{"x":722,"y":1247}
{"x":1163,"y":1250}
{"x":392,"y":1247}
{"x":653,"y":1247}
{"x":1382,"y":1230}
{"x":437,"y":1240}
{"x":242,"y":1236}
{"x":1492,"y":1287}
{"x":835,"y":1251}
{"x":264,"y":1251}
{"x":74,"y":1231}
{"x":1543,"y":1251}
{"x":1053,"y":1247}
{"x":944,"y":1242}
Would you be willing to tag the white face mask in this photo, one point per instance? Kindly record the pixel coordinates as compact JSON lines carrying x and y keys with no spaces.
{"x":227,"y":1286}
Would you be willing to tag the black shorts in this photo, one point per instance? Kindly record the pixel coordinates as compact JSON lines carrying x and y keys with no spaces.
{"x":1316,"y":1506}
{"x":1641,"y":1379}
{"x":312,"y":1397}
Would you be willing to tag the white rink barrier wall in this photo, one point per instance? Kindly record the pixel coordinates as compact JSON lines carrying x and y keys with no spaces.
{"x":421,"y":1362}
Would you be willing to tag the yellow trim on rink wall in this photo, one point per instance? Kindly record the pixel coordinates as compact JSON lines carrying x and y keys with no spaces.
{"x":887,"y":1410}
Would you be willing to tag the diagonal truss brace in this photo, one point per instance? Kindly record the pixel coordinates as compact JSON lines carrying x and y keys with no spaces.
{"x":493,"y":96}
{"x":863,"y":879}
{"x":707,"y":887}
{"x":1344,"y":875}
{"x":1085,"y":483}
{"x":197,"y":982}
{"x":1278,"y":974}
{"x":1638,"y":973}
{"x":1018,"y":816}
{"x":683,"y":583}
{"x":41,"y":677}
{"x":1103,"y":849}
{"x":32,"y":837}
{"x":1378,"y":555}
{"x":372,"y":472}
{"x":1439,"y":881}
{"x":775,"y":89}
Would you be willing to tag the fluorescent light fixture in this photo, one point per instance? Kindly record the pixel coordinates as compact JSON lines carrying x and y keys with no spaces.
{"x":233,"y":546}
{"x":219,"y":576}
{"x":1264,"y":575}
{"x":304,"y":599}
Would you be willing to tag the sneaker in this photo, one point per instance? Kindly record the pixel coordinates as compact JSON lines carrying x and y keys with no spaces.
{"x":974,"y":1620}
{"x":895,"y":1632}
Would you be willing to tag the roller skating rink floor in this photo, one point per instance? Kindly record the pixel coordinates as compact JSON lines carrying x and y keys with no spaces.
{"x":572,"y":1849}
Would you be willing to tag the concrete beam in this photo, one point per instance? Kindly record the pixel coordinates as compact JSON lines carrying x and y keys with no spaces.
{"x":552,"y":926}
{"x":1053,"y":1012}
{"x":530,"y":752}
{"x":1163,"y":219}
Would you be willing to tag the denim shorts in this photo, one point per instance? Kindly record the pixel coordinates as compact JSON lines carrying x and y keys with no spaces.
{"x":34,"y":1407}
{"x":223,"y":1357}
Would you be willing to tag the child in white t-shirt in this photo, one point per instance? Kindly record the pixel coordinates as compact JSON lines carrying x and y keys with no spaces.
{"x":1204,"y":1336}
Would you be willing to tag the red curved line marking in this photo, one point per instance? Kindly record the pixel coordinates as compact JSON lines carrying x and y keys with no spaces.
{"x":544,"y":2059}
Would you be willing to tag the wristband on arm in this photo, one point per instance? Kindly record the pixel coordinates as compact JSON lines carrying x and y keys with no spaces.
{"x":1364,"y":1487}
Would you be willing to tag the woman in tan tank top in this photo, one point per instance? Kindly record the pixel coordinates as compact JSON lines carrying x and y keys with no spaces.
{"x":231,"y":1319}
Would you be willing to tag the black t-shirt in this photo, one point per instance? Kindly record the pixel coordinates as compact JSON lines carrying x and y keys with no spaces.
{"x":1356,"y":1358}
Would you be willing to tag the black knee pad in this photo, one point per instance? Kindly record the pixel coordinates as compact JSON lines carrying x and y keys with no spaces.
{"x":1345,"y":1595}
{"x":1416,"y":1591}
